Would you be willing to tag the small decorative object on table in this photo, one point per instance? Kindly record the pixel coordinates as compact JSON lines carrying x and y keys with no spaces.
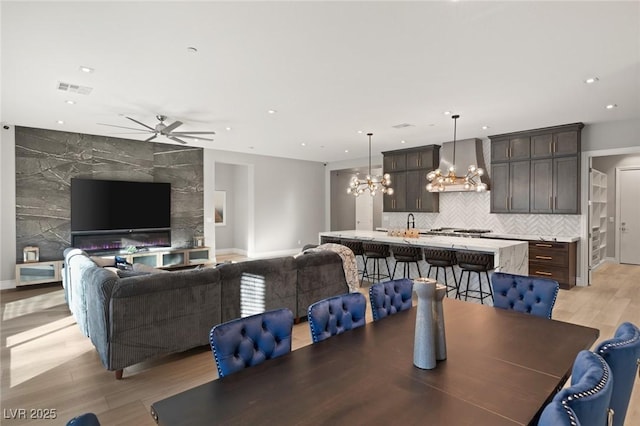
{"x":429,"y":343}
{"x":198,"y":241}
{"x":31,"y":254}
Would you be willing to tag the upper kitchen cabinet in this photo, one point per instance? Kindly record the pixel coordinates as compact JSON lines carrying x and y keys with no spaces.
{"x":396,"y":202}
{"x":556,"y":141}
{"x":408,"y":169}
{"x":554,"y":164}
{"x":510,"y":148}
{"x":394,"y":162}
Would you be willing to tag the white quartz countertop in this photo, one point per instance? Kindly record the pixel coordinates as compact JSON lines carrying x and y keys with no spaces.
{"x":521,"y":237}
{"x":460,"y":243}
{"x":532,"y":237}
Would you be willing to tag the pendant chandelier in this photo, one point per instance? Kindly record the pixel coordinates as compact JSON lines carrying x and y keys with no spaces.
{"x":373,"y":184}
{"x":439,"y":182}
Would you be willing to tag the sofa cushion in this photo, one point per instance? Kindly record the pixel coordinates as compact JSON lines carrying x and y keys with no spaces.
{"x":256,"y":286}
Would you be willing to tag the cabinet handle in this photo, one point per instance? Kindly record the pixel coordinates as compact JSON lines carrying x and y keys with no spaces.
{"x":544,"y":273}
{"x":551,"y":146}
{"x":510,"y":203}
{"x":555,"y":204}
{"x":506,"y":203}
{"x":550,"y":202}
{"x":544,"y":257}
{"x":543,"y":245}
{"x":506,"y":152}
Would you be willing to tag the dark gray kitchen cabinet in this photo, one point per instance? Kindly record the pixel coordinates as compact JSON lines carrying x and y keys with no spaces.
{"x":510,"y":149}
{"x":566,"y":185}
{"x":542,"y":186}
{"x":394,"y":162}
{"x":418,"y":198}
{"x":510,"y":191}
{"x":554,"y":171}
{"x":421,"y":160}
{"x":564,"y":140}
{"x":408,"y":169}
{"x":396,"y":202}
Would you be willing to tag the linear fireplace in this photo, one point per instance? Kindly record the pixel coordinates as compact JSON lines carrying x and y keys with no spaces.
{"x":120,"y":240}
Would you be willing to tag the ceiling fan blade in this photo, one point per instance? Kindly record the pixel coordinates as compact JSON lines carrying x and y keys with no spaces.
{"x":194,"y":133}
{"x":173,"y":138}
{"x":141,"y":123}
{"x":172,"y":126}
{"x":155,"y":135}
{"x":200,"y":138}
{"x":123,"y":127}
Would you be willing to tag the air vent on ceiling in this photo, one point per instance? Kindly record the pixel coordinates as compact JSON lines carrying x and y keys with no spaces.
{"x":74,"y":88}
{"x":402,"y":125}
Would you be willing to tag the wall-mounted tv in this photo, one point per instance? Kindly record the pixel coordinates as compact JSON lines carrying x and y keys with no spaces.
{"x":110,"y":205}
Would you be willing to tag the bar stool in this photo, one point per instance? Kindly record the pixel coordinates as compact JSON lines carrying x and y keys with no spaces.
{"x":377,"y":252}
{"x":470,"y":261}
{"x":438,"y":258}
{"x":406,"y":255}
{"x":358,"y":250}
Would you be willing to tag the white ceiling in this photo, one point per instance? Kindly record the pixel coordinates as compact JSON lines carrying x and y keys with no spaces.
{"x":328,"y":68}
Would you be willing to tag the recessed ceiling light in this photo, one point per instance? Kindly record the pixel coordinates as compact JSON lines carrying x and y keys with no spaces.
{"x":447,"y":113}
{"x":360,"y":132}
{"x":228,"y":128}
{"x":60,"y":122}
{"x":591,"y":80}
{"x":86,"y":69}
{"x":485,"y":127}
{"x":303,"y":144}
{"x":70,"y":102}
{"x":403,"y":141}
{"x":251,"y":147}
{"x":192,"y":49}
{"x":272,"y":111}
{"x":346,"y":150}
{"x":611,"y":106}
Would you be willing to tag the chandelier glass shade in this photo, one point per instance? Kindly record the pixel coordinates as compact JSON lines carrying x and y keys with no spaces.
{"x":373,"y":184}
{"x":441,"y":182}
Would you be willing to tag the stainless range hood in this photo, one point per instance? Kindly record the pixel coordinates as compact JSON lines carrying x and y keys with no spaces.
{"x":468,"y":152}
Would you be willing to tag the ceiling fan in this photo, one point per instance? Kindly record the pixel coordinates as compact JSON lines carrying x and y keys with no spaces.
{"x":161,"y":129}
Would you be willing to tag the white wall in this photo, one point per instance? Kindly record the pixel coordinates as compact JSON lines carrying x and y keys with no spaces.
{"x":7,"y":207}
{"x":224,"y":181}
{"x":285,"y":207}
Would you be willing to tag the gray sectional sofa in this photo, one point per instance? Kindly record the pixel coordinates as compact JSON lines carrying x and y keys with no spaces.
{"x":148,"y":313}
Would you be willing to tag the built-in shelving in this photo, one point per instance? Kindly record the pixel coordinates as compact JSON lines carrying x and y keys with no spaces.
{"x":598,"y":217}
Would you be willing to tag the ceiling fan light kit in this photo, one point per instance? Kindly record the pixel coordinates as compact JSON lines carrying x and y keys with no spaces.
{"x":162,"y":129}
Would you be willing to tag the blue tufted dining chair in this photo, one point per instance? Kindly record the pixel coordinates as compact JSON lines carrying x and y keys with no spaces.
{"x":622,"y":353}
{"x":335,"y":315}
{"x":86,"y":419}
{"x":555,"y":414}
{"x":390,"y":297}
{"x":588,"y":396}
{"x":248,"y":341}
{"x":531,"y":295}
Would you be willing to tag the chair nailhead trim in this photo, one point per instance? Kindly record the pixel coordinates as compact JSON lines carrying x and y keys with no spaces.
{"x":597,"y":388}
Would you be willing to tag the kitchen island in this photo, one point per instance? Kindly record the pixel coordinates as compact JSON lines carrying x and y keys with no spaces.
{"x":509,"y":255}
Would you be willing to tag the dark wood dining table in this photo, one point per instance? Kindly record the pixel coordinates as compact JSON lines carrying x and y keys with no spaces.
{"x":502,"y":367}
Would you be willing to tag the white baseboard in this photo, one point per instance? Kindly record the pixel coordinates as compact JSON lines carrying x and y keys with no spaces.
{"x":7,"y":284}
{"x":258,"y":255}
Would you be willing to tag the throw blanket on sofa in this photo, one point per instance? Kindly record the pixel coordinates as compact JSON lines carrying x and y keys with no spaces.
{"x":348,"y":263}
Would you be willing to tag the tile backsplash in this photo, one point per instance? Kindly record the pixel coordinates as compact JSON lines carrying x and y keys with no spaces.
{"x":471,"y":210}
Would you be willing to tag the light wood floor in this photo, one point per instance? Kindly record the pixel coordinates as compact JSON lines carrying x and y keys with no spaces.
{"x":46,"y":363}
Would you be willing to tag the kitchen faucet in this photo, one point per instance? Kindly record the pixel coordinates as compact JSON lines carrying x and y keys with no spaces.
{"x":411,"y":221}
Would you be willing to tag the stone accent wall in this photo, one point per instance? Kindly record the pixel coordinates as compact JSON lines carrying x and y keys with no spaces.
{"x":46,"y":160}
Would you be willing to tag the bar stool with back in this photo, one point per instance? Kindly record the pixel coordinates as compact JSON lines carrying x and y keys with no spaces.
{"x":441,"y":258}
{"x":377,"y":252}
{"x":470,"y":261}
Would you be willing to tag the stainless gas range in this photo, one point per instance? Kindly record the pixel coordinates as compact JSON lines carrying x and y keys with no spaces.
{"x":457,"y":232}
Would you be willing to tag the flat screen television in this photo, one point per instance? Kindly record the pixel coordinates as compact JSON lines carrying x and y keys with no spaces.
{"x":110,"y":205}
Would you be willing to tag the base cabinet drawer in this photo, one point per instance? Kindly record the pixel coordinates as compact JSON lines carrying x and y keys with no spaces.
{"x":558,"y":273}
{"x":553,"y":260}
